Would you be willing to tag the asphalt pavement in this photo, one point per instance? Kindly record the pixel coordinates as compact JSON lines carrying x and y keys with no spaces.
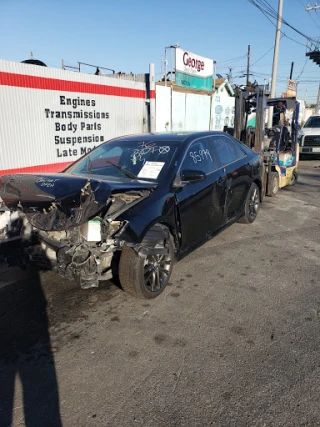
{"x":233,"y":341}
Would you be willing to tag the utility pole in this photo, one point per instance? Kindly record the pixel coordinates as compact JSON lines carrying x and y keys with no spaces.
{"x":275,"y":61}
{"x":308,"y":8}
{"x":305,"y":95}
{"x":248,"y":65}
{"x":314,"y":7}
{"x":292,"y":63}
{"x":318,"y":102}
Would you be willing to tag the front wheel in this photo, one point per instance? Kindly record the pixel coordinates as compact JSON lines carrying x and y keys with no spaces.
{"x":146,"y":276}
{"x":274,"y":184}
{"x":294,"y":178}
{"x":251,"y":206}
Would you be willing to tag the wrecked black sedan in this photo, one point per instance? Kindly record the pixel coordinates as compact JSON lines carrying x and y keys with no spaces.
{"x":134,"y":204}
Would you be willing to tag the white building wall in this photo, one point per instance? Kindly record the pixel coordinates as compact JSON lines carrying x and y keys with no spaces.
{"x":163,"y":108}
{"x":222,"y":111}
{"x":179,"y":112}
{"x":40,"y":131}
{"x":193,"y":112}
{"x":197,"y":112}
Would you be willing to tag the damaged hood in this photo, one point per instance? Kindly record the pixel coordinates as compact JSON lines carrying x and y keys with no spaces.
{"x":61,"y":201}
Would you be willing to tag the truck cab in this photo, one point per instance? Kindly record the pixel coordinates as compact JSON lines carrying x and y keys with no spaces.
{"x":309,"y":136}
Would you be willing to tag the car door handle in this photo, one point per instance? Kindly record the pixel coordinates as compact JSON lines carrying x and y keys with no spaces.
{"x":221,"y":181}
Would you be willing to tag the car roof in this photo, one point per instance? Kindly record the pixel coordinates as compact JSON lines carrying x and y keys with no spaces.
{"x":314,"y":116}
{"x":168,"y":136}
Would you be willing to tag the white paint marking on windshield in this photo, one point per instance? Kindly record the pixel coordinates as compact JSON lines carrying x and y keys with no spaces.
{"x":148,"y":147}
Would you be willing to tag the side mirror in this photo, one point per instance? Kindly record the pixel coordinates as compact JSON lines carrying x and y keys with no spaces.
{"x":190,"y":176}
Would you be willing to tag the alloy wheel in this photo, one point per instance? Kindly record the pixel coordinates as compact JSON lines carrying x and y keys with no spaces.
{"x":253,"y":203}
{"x":156,"y":271}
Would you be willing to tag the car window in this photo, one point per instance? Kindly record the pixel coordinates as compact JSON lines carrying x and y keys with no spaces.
{"x":199,"y":156}
{"x":142,"y":159}
{"x":115,"y":152}
{"x":99,"y":158}
{"x":237,"y":147}
{"x":312,"y":122}
{"x":227,"y":150}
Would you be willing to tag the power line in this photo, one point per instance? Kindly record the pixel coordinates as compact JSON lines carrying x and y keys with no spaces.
{"x":233,"y":59}
{"x":283,"y":62}
{"x":283,"y":33}
{"x":290,"y":38}
{"x":302,"y":69}
{"x":273,"y":13}
{"x":268,"y":10}
{"x":313,"y":19}
{"x":265,"y":53}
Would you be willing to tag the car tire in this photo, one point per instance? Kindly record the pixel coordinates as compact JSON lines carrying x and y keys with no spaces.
{"x":274,"y":184}
{"x":294,"y":178}
{"x":251,"y":206}
{"x":145,"y":276}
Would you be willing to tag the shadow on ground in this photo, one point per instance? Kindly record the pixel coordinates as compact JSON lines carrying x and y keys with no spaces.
{"x":26,"y":353}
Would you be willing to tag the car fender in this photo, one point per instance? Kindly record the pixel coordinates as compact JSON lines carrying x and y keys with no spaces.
{"x":141,"y":218}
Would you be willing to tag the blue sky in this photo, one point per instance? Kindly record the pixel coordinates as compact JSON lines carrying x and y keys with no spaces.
{"x":126,"y":35}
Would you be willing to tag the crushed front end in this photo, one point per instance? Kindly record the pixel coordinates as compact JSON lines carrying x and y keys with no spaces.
{"x":74,"y":220}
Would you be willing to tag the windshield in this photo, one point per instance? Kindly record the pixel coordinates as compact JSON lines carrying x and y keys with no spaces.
{"x":312,"y":122}
{"x":142,"y":160}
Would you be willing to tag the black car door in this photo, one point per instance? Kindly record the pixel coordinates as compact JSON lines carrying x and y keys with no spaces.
{"x":238,"y":172}
{"x":201,"y":205}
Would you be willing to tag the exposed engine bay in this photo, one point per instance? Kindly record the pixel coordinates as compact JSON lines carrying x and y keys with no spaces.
{"x":85,"y":251}
{"x":75,"y":232}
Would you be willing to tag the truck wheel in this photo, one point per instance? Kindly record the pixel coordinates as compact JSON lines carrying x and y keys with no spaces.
{"x":294,"y":178}
{"x":145,"y":276}
{"x":274,"y":187}
{"x":251,"y":206}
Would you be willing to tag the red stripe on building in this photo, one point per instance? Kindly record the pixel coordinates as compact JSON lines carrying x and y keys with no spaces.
{"x":152,"y":94}
{"x":54,"y":167}
{"x":33,"y":82}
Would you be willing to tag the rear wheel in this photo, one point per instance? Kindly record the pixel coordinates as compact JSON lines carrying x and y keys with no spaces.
{"x":251,"y":206}
{"x":146,"y":276}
